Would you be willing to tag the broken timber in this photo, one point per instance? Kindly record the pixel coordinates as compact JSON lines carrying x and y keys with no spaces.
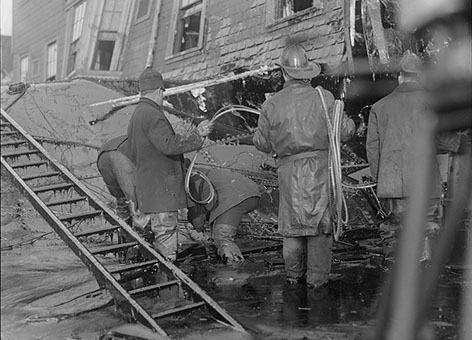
{"x":124,"y":101}
{"x":36,"y":173}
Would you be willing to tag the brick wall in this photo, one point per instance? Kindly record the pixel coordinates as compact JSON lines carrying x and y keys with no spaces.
{"x":35,"y":25}
{"x":237,"y":36}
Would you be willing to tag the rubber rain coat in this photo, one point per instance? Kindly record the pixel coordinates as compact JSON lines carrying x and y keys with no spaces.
{"x":292,"y":125}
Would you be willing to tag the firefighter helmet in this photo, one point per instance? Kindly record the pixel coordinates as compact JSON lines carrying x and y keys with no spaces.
{"x":295,"y":62}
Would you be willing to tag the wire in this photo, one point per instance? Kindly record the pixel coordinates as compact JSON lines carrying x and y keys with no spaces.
{"x":233,"y":109}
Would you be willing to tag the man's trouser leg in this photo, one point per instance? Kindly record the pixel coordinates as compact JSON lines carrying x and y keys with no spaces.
{"x":164,"y":226}
{"x":431,"y":232}
{"x":294,"y":252}
{"x":318,"y":259}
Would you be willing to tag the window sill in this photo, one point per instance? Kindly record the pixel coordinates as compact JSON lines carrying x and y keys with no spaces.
{"x":183,"y":55}
{"x":97,"y":74}
{"x":293,"y":19}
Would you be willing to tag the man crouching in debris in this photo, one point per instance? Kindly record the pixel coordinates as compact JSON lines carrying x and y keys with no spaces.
{"x":394,"y":123}
{"x":235,"y":195}
{"x":117,"y":170}
{"x":292,"y":125}
{"x":158,"y":152}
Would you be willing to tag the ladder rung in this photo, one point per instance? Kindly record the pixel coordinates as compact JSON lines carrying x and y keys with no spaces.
{"x":157,"y":286}
{"x":13,"y":142}
{"x":42,"y":175}
{"x":7,"y":133}
{"x":19,"y":153}
{"x":66,"y":201}
{"x":113,"y":248}
{"x":132,"y":266}
{"x":81,"y":215}
{"x":53,"y":187}
{"x":96,"y":231}
{"x":178,"y":310}
{"x":27,"y":164}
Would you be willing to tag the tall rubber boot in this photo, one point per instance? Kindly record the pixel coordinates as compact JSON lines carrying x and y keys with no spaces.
{"x":164,"y":227}
{"x":223,"y":236}
{"x":427,"y":250}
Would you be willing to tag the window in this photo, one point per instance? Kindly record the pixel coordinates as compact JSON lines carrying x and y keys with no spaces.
{"x":35,"y":67}
{"x":277,"y":10}
{"x":103,"y":55}
{"x":107,"y":35}
{"x":23,"y":69}
{"x":188,"y":22}
{"x":79,"y":15}
{"x":52,"y":61}
{"x":143,"y":9}
{"x":286,"y":8}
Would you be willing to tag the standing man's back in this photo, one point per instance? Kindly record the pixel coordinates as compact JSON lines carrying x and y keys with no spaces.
{"x":394,"y":125}
{"x":157,"y":152}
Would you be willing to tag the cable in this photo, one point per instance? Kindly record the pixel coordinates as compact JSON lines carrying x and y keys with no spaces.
{"x":233,"y":109}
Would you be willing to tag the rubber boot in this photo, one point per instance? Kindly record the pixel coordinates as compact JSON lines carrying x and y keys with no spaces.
{"x":427,"y":250}
{"x":223,"y":236}
{"x":164,"y":227}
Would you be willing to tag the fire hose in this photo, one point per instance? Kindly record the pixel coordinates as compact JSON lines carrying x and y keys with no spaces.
{"x":336,"y":199}
{"x":233,"y":109}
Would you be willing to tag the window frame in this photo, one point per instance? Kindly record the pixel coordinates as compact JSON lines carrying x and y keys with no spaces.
{"x":20,"y":68}
{"x":271,"y":10}
{"x":56,"y":56}
{"x":145,"y":16}
{"x":175,"y":18}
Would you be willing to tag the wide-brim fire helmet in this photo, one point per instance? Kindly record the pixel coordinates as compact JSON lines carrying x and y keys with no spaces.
{"x":295,"y":62}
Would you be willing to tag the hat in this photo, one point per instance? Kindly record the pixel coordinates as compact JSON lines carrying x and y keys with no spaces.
{"x":410,"y":63}
{"x":295,"y":62}
{"x":150,"y":79}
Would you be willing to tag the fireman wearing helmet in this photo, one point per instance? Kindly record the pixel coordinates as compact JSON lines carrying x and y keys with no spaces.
{"x":292,"y":125}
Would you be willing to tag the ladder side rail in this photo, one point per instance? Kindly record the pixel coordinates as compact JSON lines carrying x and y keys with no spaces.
{"x":98,"y":270}
{"x":145,"y":247}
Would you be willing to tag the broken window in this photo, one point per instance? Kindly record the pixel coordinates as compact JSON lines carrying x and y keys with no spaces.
{"x":189,"y":25}
{"x":52,"y":61}
{"x":110,"y":25}
{"x":286,"y":8}
{"x":24,"y":68}
{"x":103,"y":55}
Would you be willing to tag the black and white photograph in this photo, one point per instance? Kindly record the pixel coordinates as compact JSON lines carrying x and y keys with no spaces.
{"x":236,"y":169}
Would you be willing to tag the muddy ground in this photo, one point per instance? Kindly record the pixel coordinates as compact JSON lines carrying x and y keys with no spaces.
{"x":47,"y":293}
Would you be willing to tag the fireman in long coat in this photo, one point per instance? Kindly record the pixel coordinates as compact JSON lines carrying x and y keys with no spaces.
{"x":394,"y":123}
{"x":158,"y":152}
{"x":292,"y":125}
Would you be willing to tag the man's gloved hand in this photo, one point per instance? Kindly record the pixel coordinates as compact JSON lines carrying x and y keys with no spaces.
{"x":199,"y":223}
{"x":204,"y":128}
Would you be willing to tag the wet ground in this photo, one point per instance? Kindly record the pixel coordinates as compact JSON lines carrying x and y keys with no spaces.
{"x":47,"y":293}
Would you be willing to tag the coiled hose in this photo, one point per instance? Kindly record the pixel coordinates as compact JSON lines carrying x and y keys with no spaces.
{"x":233,"y":109}
{"x":337,"y":201}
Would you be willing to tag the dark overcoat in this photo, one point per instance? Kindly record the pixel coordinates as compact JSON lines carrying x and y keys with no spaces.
{"x":158,"y":152}
{"x":231,"y":188}
{"x":395,"y":123}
